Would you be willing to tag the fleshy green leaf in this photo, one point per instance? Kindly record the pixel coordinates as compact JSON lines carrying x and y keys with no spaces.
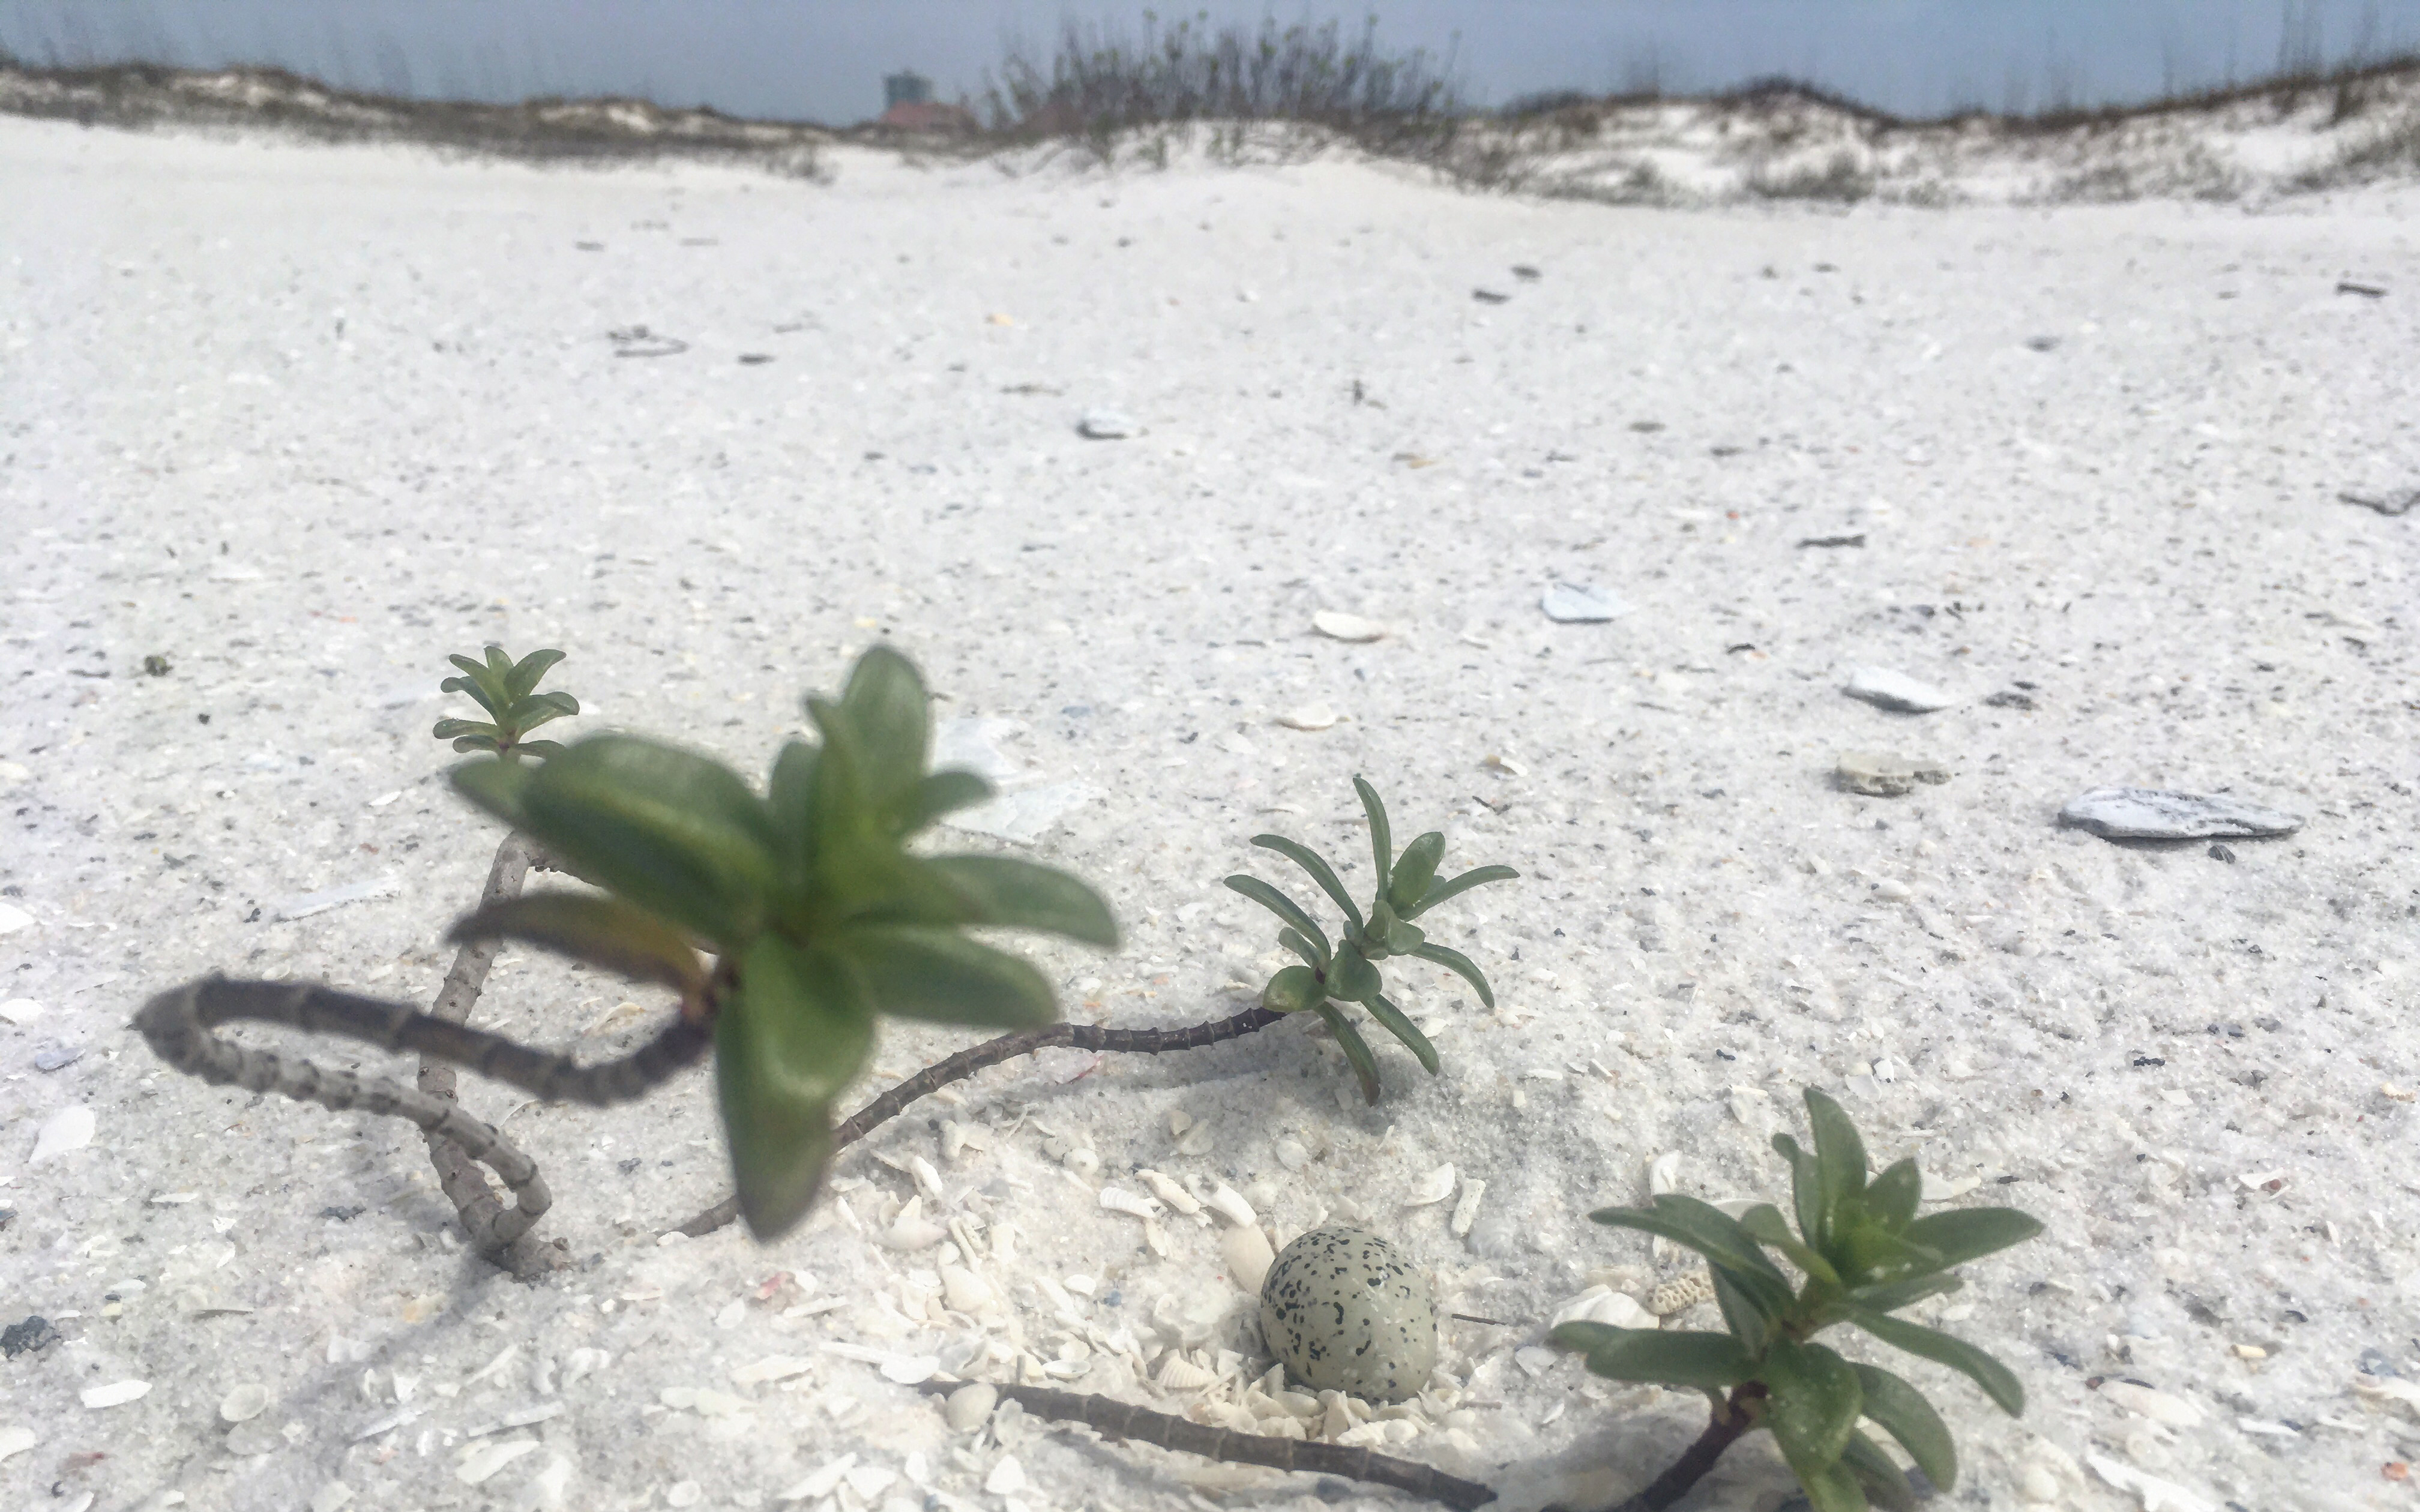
{"x":886,"y":704}
{"x":1712,"y":1233}
{"x":1382,"y":843}
{"x":1320,"y":872}
{"x":1751,"y":1324}
{"x":539,"y":747}
{"x":1706,"y":1360}
{"x":1997,"y":1381}
{"x":1893,"y":1295}
{"x":941,"y":975}
{"x":1866,"y":1252}
{"x":1840,"y":1159}
{"x":1460,"y":965}
{"x":672,"y":831}
{"x":604,"y":932}
{"x":1356,"y":1050}
{"x":1350,"y":977}
{"x":1402,"y":938}
{"x":789,"y":796}
{"x":1885,"y":1484}
{"x":1902,"y":1413}
{"x":1402,"y":1029}
{"x":1814,"y":1404}
{"x":1004,"y":891}
{"x":1284,"y":906}
{"x":1415,"y":870}
{"x":1291,"y":990}
{"x":1971,"y":1233}
{"x":499,"y":665}
{"x":1764,"y":1224}
{"x":475,"y":684}
{"x":1806,"y":1192}
{"x":1891,"y":1199}
{"x":486,"y":743}
{"x":448,"y":729}
{"x":1313,"y":957}
{"x":1477,"y":877}
{"x":939,"y":794}
{"x":785,"y":1042}
{"x":1834,"y":1489}
{"x":499,"y":787}
{"x":523,"y":679}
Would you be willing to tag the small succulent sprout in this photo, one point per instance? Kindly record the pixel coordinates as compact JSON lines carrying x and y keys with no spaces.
{"x":1346,"y":970}
{"x":1861,"y":1254}
{"x":819,"y":918}
{"x":507,"y":689}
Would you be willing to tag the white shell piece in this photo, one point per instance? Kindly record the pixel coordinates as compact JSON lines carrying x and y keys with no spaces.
{"x":1436,"y":1186}
{"x":1118,"y":1200}
{"x":1229,"y":1204}
{"x":117,"y":1394}
{"x":2379,"y":1390}
{"x":1602,"y":1304}
{"x":1169,"y":1192}
{"x":820,"y":1483}
{"x":1007,"y":1478}
{"x":912,"y":1230}
{"x":1181,"y":1374}
{"x":1680,"y":1295}
{"x":928,"y":1180}
{"x":1664,"y":1173}
{"x":967,"y":1291}
{"x":1466,"y":1212}
{"x":969,"y":1406}
{"x":1341,"y":626}
{"x":68,"y":1129}
{"x":485,"y":1459}
{"x":771,"y":1368}
{"x":244,"y":1403}
{"x":16,"y":1441}
{"x":911,"y":1369}
{"x":1248,"y":1256}
{"x":2156,"y":1405}
{"x":1311,"y":717}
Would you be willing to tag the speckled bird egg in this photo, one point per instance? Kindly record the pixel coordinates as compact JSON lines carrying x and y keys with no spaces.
{"x":1343,"y":1311}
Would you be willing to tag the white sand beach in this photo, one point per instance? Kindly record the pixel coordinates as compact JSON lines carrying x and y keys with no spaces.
{"x":301,"y":420}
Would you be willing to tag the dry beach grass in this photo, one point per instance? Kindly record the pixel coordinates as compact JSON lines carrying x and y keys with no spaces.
{"x":300,"y":417}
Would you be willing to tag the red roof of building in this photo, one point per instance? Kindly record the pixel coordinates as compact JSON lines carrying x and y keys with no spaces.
{"x":926,"y":115}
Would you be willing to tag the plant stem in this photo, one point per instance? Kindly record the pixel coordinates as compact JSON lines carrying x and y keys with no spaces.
{"x":495,"y":1231}
{"x":1008,"y":1047}
{"x":1123,"y":1420}
{"x":1722,"y":1430}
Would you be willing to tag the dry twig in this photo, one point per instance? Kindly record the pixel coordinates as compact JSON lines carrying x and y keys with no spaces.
{"x":1123,"y":1420}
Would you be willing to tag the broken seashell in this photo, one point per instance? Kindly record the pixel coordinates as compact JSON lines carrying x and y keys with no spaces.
{"x":1229,"y":1204}
{"x":1084,"y":1162}
{"x":1602,"y":1304}
{"x":1434,"y":1187}
{"x":1680,"y":1295}
{"x":1169,"y":1192}
{"x":912,"y":1230}
{"x":1181,"y":1374}
{"x":967,"y":1291}
{"x":244,"y":1403}
{"x":1466,"y":1212}
{"x":1340,"y":626}
{"x":1118,"y":1200}
{"x":2157,"y":1406}
{"x":969,"y":1406}
{"x":1311,"y":717}
{"x":2377,"y":1391}
{"x":771,"y":1368}
{"x":820,"y":1483}
{"x":928,"y":1180}
{"x":1664,"y":1173}
{"x":1248,"y":1257}
{"x":16,"y":1441}
{"x":1007,"y":1478}
{"x":117,"y":1394}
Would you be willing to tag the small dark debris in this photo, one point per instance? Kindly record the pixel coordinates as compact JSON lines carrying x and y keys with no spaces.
{"x":1332,"y":1491}
{"x":343,"y":1216}
{"x":1647,"y":427}
{"x":58,"y":1057}
{"x":201,"y":719}
{"x":78,"y":671}
{"x":2388,"y":504}
{"x":2221,"y":851}
{"x":1526,"y":273}
{"x":629,"y":1166}
{"x":2367,"y":291}
{"x":2140,"y":1062}
{"x":2011,"y":701}
{"x":157,"y":666}
{"x":1725,"y":451}
{"x":1488,"y":296}
{"x":33,"y":1334}
{"x":1734,"y":651}
{"x":638,"y":341}
{"x":755,"y":358}
{"x":1858,"y":539}
{"x":2043,"y":344}
{"x":590,"y":246}
{"x":2374,"y":1362}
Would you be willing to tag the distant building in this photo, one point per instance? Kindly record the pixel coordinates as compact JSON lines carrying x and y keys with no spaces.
{"x":909,"y":105}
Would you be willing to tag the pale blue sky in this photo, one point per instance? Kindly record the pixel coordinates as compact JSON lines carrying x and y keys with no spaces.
{"x":823,"y":59}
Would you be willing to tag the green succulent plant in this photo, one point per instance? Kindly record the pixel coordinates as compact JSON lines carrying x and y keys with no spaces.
{"x":818,"y":916}
{"x":1347,"y":971}
{"x":1862,"y":1255}
{"x":507,"y":689}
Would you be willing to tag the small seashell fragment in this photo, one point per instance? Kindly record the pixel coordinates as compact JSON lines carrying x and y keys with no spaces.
{"x":68,"y":1129}
{"x":1082,"y":1162}
{"x":2175,"y":1412}
{"x":577,"y":1366}
{"x":967,"y":1291}
{"x":911,"y":1369}
{"x":1680,"y":1295}
{"x":1169,"y":1192}
{"x":117,"y":1394}
{"x":1118,"y":1200}
{"x":1434,"y":1187}
{"x":1466,"y":1212}
{"x":912,"y":1230}
{"x":870,"y":1481}
{"x":1534,"y":1360}
{"x":969,"y":1408}
{"x":1602,"y":1304}
{"x":2377,"y":1391}
{"x":16,"y":1441}
{"x":1664,"y":1173}
{"x":244,"y":1403}
{"x":771,"y":1368}
{"x":485,"y":1459}
{"x":820,"y":1483}
{"x":1007,"y":1478}
{"x":1198,"y":1139}
{"x":1311,"y":717}
{"x":1248,"y":1256}
{"x":1177,"y":1373}
{"x":1229,"y":1204}
{"x":928,"y":1180}
{"x":1341,"y":626}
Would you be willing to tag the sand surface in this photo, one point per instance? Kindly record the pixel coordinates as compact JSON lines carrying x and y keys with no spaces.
{"x":302,"y":420}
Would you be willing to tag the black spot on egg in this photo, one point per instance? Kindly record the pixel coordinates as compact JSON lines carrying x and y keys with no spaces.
{"x":1343,"y":1311}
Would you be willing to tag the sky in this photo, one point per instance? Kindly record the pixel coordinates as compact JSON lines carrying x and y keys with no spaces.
{"x":824,"y":59}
